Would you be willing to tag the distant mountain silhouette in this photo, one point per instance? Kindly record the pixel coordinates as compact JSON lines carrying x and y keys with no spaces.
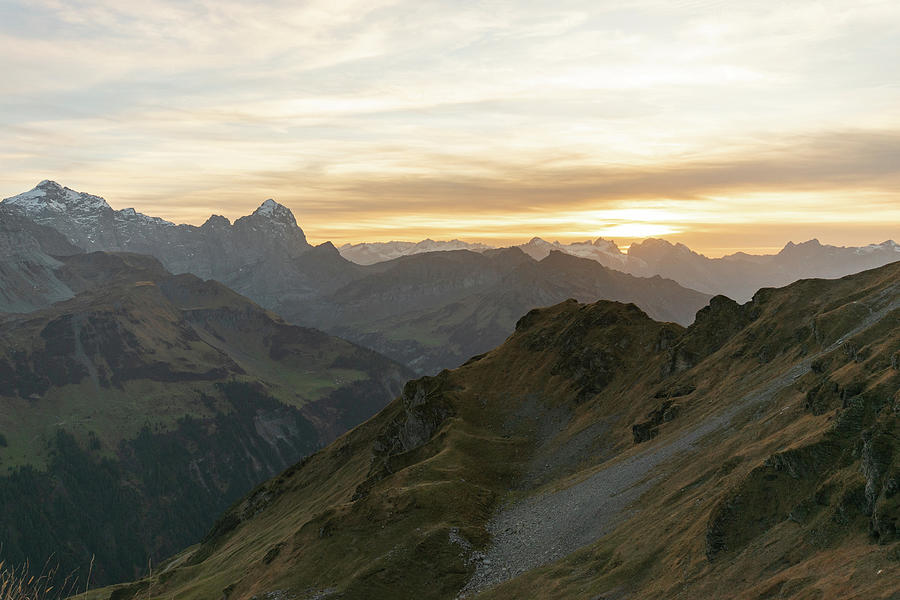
{"x":369,"y":253}
{"x":737,"y":275}
{"x":438,"y":309}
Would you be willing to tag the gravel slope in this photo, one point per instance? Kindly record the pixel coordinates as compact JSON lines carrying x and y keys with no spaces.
{"x":541,"y":529}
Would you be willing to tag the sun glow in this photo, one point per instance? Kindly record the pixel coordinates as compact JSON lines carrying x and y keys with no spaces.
{"x":636,"y":230}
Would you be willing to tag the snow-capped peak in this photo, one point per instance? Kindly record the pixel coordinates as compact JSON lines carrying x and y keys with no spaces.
{"x":27,"y":197}
{"x":131,"y":215}
{"x":885,"y":246}
{"x":607,"y":245}
{"x":49,"y":196}
{"x":275,"y":211}
{"x":267,"y":208}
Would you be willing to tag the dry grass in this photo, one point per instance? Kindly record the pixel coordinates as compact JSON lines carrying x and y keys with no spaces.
{"x":18,"y":583}
{"x":310,"y":533}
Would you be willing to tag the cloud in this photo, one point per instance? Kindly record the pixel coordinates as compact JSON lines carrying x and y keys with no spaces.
{"x":842,"y":161}
{"x":393,"y":111}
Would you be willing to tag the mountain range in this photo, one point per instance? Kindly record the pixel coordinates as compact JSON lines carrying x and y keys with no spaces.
{"x":598,"y":453}
{"x":218,"y":249}
{"x":149,"y":401}
{"x":430,"y":311}
{"x":369,"y":253}
{"x":737,"y":276}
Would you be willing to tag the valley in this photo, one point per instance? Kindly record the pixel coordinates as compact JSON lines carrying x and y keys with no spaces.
{"x":149,"y":402}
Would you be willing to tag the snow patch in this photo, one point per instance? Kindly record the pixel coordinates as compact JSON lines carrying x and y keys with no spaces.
{"x":25,"y":197}
{"x":267,"y":208}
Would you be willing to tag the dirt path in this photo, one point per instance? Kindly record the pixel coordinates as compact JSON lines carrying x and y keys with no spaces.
{"x":541,"y":529}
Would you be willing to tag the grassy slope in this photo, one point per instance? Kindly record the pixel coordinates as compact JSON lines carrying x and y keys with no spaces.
{"x":772,"y":505}
{"x":797,"y":530}
{"x":147,"y":351}
{"x":120,"y":368}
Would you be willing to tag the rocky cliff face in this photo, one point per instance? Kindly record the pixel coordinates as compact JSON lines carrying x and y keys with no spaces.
{"x":28,"y":278}
{"x":217,"y":249}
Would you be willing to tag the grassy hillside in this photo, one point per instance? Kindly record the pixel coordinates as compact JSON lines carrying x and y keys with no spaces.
{"x":599,"y":453}
{"x":132,"y":414}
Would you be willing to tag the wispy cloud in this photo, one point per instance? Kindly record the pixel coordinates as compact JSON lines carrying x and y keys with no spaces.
{"x":393,"y":116}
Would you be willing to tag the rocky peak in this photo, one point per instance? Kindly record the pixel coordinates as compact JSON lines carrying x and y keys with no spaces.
{"x":51,"y":197}
{"x":271,"y":228}
{"x":887,"y":246}
{"x":650,"y":245}
{"x":654,"y":249}
{"x":325,"y":249}
{"x":276,"y":212}
{"x":216,"y":222}
{"x":607,"y":245}
{"x":810,"y":244}
{"x":130,"y":215}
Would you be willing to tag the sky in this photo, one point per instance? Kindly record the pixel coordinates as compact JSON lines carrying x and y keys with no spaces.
{"x":724,"y":125}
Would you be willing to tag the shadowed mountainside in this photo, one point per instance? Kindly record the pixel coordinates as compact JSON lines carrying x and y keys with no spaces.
{"x":439,"y":309}
{"x":136,"y":411}
{"x":27,"y":270}
{"x":737,"y":275}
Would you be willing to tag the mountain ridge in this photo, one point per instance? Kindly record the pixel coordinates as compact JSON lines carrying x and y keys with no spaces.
{"x":446,"y":297}
{"x":736,"y":275}
{"x":215,"y":250}
{"x":769,"y":464}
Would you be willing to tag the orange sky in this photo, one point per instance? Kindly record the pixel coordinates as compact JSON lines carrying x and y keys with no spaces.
{"x":724,"y":125}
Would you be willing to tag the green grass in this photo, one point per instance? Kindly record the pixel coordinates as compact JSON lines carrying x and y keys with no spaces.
{"x":108,"y":413}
